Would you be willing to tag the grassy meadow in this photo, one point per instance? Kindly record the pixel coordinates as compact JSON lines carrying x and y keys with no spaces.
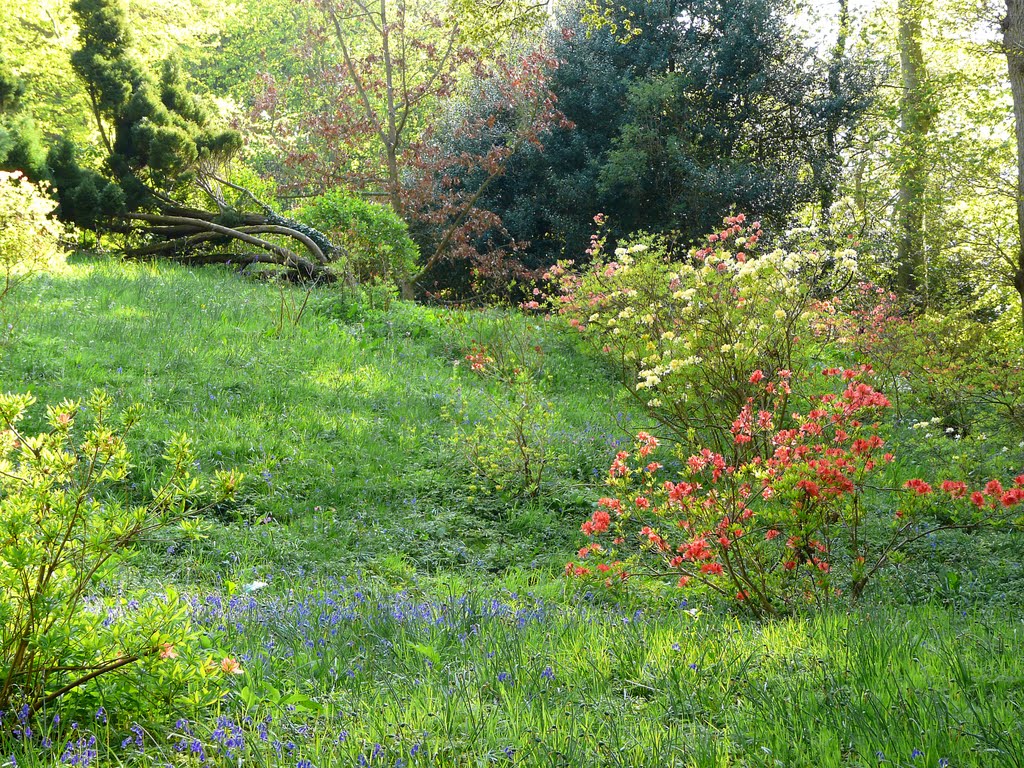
{"x":390,"y":609}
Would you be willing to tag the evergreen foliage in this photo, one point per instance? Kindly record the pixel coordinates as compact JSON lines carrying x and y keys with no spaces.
{"x":21,"y":145}
{"x":683,"y":110}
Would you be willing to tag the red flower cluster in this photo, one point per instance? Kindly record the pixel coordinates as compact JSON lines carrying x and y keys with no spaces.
{"x":765,"y":519}
{"x":478,"y":358}
{"x":598,"y":523}
{"x":734,"y":226}
{"x":993,"y":494}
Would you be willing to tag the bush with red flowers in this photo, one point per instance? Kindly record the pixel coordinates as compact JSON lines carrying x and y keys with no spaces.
{"x":780,"y":518}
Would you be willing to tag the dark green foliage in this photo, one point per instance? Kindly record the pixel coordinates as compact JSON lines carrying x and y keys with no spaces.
{"x":165,"y":130}
{"x":549,"y":197}
{"x":104,"y":62}
{"x":705,"y":107}
{"x":85,"y":196}
{"x":12,"y":89}
{"x":160,"y":130}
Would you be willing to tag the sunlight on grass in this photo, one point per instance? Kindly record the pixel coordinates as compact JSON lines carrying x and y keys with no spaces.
{"x":409,"y":620}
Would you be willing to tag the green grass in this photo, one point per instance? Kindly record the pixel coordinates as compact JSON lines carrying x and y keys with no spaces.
{"x":496,"y":678}
{"x":408,"y":607}
{"x":344,"y":416}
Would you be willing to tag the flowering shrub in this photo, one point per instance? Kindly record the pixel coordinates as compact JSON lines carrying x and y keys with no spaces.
{"x":687,"y":336}
{"x":28,"y":231}
{"x":948,"y":366}
{"x":512,"y":448}
{"x":779,"y":517}
{"x":64,"y":526}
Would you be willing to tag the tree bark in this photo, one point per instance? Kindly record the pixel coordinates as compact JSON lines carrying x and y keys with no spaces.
{"x":916,"y":117}
{"x":179,"y":237}
{"x":830,"y":173}
{"x":1013,"y":44}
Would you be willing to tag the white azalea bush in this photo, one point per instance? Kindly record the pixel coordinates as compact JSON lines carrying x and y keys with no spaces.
{"x":688,"y":336}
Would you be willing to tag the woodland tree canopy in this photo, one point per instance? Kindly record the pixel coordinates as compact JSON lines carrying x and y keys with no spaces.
{"x":511,"y":383}
{"x":498,"y":130}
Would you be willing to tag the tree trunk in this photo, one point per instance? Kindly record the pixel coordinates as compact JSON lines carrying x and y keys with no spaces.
{"x":194,"y":236}
{"x":830,"y":173}
{"x":916,"y":116}
{"x":1013,"y":44}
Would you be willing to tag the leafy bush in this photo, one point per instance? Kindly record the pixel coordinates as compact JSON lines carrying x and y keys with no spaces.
{"x":375,"y":238}
{"x":28,"y":232}
{"x":946,"y":366}
{"x":512,"y":448}
{"x":779,"y":519}
{"x":64,"y":526}
{"x":687,"y":335}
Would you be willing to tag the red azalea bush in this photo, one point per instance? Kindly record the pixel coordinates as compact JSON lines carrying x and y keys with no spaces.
{"x":780,"y":518}
{"x":780,"y":498}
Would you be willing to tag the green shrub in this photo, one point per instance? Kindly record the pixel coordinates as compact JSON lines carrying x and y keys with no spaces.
{"x":511,"y":448}
{"x":952,"y":367}
{"x":375,"y":239}
{"x":28,"y":231}
{"x":65,"y":524}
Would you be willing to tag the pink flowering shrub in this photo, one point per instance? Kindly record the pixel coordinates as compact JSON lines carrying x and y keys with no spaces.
{"x":780,"y":493}
{"x":779,"y":518}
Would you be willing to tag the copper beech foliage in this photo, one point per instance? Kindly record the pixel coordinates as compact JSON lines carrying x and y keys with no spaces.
{"x":397,"y":105}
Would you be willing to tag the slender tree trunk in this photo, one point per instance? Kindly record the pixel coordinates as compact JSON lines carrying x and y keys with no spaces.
{"x":1013,"y":44}
{"x":391,"y":143}
{"x":916,"y":116}
{"x":833,"y":163}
